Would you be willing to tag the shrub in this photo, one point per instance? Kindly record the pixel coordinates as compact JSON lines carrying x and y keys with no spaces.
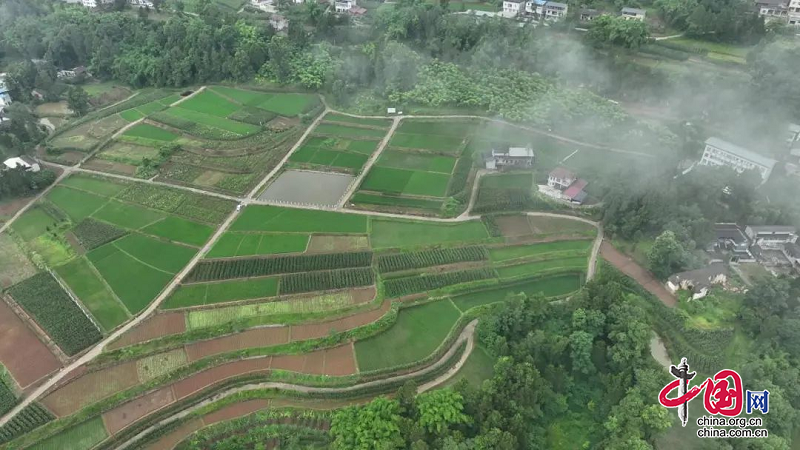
{"x":323,"y":281}
{"x":32,"y":416}
{"x":427,"y":282}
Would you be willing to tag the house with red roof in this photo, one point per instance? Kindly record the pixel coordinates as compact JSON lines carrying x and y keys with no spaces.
{"x":568,"y":183}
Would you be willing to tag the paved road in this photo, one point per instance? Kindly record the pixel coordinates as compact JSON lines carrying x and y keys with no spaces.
{"x":249,"y":199}
{"x":467,"y":335}
{"x":368,"y":165}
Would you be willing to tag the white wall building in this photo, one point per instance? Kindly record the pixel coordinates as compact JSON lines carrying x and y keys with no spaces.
{"x":264,"y":5}
{"x":723,"y":153}
{"x":512,"y":7}
{"x":561,"y":178}
{"x":142,"y":3}
{"x":633,"y":14}
{"x":22,"y":161}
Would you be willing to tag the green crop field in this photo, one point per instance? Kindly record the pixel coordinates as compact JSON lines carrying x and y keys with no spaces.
{"x":134,"y":282}
{"x":325,"y":157}
{"x":180,"y":230}
{"x":147,"y":131}
{"x":333,"y":117}
{"x":274,"y":218}
{"x":162,"y":255}
{"x":249,"y":244}
{"x":288,"y":105}
{"x":240,"y":128}
{"x":94,"y":185}
{"x":131,"y":115}
{"x":345,"y":131}
{"x":532,"y":268}
{"x":383,"y":179}
{"x":208,"y":102}
{"x":302,"y":305}
{"x":363,"y":147}
{"x":33,"y":223}
{"x":439,"y":143}
{"x":81,"y":437}
{"x":521,"y":251}
{"x":126,"y":215}
{"x":128,"y":152}
{"x":416,"y":161}
{"x":249,"y":98}
{"x":77,"y":204}
{"x":388,"y":200}
{"x":227,"y":291}
{"x":388,"y":233}
{"x":443,"y":128}
{"x":416,"y":334}
{"x":94,"y":294}
{"x":551,"y":286}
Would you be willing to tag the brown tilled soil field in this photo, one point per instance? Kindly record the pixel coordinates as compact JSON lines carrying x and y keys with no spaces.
{"x":340,"y":361}
{"x":109,"y":166}
{"x":120,"y":417}
{"x":259,"y":337}
{"x":235,"y":410}
{"x":171,"y":439}
{"x":208,"y":377}
{"x":156,"y":326}
{"x":322,"y":329}
{"x":21,"y":351}
{"x":327,"y":243}
{"x":630,"y":268}
{"x":90,"y":388}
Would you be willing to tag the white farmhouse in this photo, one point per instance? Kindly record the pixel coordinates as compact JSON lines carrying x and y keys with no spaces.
{"x":22,"y":161}
{"x":561,"y":178}
{"x":512,"y":8}
{"x":723,"y":153}
{"x":509,"y":157}
{"x":142,"y":3}
{"x":633,"y":14}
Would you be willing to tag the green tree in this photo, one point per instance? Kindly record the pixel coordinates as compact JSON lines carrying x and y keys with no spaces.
{"x":78,"y":100}
{"x":439,"y":410}
{"x":580,"y":343}
{"x":666,"y":256}
{"x":616,"y":30}
{"x":374,"y":426}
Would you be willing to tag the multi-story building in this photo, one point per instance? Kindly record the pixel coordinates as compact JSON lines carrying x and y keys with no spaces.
{"x":771,"y":235}
{"x":544,"y":9}
{"x":561,"y":178}
{"x":513,"y":7}
{"x":722,"y":153}
{"x":505,"y":156}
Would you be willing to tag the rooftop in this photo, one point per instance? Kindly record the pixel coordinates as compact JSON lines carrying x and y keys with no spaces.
{"x":784,"y":229}
{"x":635,"y":11}
{"x":740,"y":152}
{"x":563,"y":173}
{"x":729,"y":231}
{"x":700,"y":277}
{"x":576,"y":188}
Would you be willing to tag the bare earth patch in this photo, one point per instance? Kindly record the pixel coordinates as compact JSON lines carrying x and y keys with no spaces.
{"x":90,"y":388}
{"x":628,"y":266}
{"x":103,"y":165}
{"x":155,"y":326}
{"x":14,"y":265}
{"x":21,"y":351}
{"x":120,"y":417}
{"x":331,"y":244}
{"x":171,"y":439}
{"x":235,"y":410}
{"x":209,"y":377}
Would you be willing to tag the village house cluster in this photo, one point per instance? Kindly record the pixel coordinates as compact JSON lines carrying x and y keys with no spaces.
{"x":787,"y":11}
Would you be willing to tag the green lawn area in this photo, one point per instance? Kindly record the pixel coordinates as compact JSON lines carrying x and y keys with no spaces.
{"x":147,"y":131}
{"x":500,"y":254}
{"x":388,"y":233}
{"x":131,"y":115}
{"x":227,"y":291}
{"x":551,"y":286}
{"x":417,"y":333}
{"x":716,"y":310}
{"x":126,"y":215}
{"x":89,"y":288}
{"x":478,"y":367}
{"x":81,"y":437}
{"x":385,"y":179}
{"x":180,"y":230}
{"x":159,"y":254}
{"x":249,"y":98}
{"x":77,"y":204}
{"x":441,"y":143}
{"x":274,"y":218}
{"x":716,"y":47}
{"x":94,"y":185}
{"x":427,"y":183}
{"x":33,"y":223}
{"x":208,"y":102}
{"x":532,"y":268}
{"x":416,"y":161}
{"x":248,"y":244}
{"x":438,"y":127}
{"x":288,"y":104}
{"x":357,"y":120}
{"x":344,"y":131}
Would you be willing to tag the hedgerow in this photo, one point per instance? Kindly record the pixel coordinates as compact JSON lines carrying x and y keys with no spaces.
{"x":427,"y":282}
{"x":427,"y":258}
{"x":93,"y":233}
{"x":43,"y":298}
{"x":7,"y":398}
{"x":225,"y":269}
{"x":253,"y":116}
{"x":323,"y":281}
{"x":32,"y":416}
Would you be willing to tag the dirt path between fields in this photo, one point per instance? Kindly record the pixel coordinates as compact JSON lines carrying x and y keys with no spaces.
{"x":467,"y":335}
{"x":629,"y":267}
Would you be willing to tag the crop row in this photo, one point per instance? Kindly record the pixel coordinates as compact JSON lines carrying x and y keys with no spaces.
{"x":7,"y":398}
{"x":323,"y":281}
{"x":254,"y":267}
{"x":53,"y":309}
{"x":32,"y":416}
{"x":427,"y":258}
{"x":93,"y":233}
{"x":420,"y":283}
